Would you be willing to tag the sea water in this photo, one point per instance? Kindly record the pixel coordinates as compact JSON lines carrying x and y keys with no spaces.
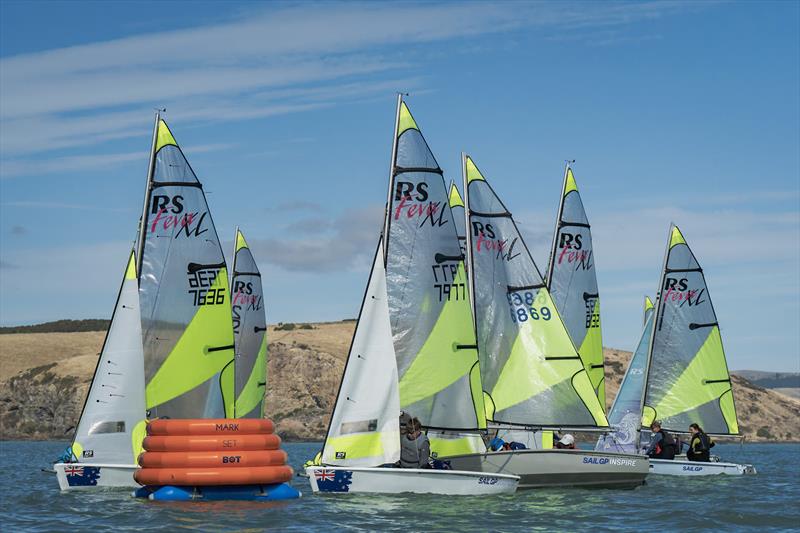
{"x":30,"y":501}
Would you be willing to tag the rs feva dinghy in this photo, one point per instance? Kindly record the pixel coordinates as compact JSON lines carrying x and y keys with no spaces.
{"x":533,"y":377}
{"x":413,"y":347}
{"x":678,"y":373}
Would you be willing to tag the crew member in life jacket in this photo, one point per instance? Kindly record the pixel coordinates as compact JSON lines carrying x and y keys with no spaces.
{"x":662,"y":443}
{"x":699,"y":445}
{"x":415,"y":448}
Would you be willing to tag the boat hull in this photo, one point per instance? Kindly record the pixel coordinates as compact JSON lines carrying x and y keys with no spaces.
{"x":335,"y":479}
{"x":72,"y":476}
{"x":693,"y":468}
{"x":559,"y":468}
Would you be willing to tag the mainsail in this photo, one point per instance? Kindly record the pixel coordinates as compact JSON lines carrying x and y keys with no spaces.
{"x":687,"y":377}
{"x":431,"y":319}
{"x":625,"y":416}
{"x":250,"y":332}
{"x":572,"y":282}
{"x":183,"y":290}
{"x":112,"y":426}
{"x":532,"y":374}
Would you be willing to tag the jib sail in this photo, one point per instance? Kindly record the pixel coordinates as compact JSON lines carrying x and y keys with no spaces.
{"x":572,"y":281}
{"x":183,"y":291}
{"x":687,"y":380}
{"x":250,"y":332}
{"x":531,"y":371}
{"x":111,"y":427}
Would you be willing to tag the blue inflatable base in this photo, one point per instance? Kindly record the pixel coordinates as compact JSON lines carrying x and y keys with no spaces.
{"x":170,"y":493}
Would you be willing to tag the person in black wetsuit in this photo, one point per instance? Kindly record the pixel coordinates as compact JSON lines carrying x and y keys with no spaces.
{"x":699,"y":445}
{"x":662,"y":443}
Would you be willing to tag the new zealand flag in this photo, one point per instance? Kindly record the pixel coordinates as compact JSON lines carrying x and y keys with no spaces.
{"x":82,"y":476}
{"x":329,"y":480}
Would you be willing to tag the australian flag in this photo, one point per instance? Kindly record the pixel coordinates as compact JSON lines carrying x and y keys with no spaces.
{"x":82,"y":476}
{"x":330,"y":480}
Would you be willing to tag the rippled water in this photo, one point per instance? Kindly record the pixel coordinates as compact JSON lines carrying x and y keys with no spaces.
{"x":30,"y":500}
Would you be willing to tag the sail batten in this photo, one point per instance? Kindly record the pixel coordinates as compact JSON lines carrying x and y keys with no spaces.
{"x":572,"y":281}
{"x":183,"y":290}
{"x":687,"y":379}
{"x":532,"y":374}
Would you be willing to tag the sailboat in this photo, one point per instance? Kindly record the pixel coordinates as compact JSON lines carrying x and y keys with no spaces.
{"x":685,"y":373}
{"x":532,"y":375}
{"x":250,"y":332}
{"x":109,"y":435}
{"x":171,"y":332}
{"x":572,"y":282}
{"x":413,"y":347}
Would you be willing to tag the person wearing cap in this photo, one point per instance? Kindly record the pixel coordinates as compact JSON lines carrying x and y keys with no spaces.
{"x":415,"y":448}
{"x":662,"y":443}
{"x":567,"y":442}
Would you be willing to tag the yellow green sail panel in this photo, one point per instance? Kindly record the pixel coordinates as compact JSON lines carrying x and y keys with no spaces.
{"x":532,"y":374}
{"x":183,"y":292}
{"x":688,"y":380}
{"x":572,"y":280}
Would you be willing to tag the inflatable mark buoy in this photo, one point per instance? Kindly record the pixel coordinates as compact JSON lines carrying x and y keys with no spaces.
{"x":216,"y":459}
{"x":210,"y":443}
{"x":211,"y":426}
{"x":266,"y":475}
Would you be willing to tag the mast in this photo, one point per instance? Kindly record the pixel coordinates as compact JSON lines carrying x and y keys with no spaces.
{"x":551,"y":263}
{"x":468,"y":244}
{"x":656,"y":316}
{"x":235,"y":347}
{"x":148,"y":189}
{"x":387,"y":212}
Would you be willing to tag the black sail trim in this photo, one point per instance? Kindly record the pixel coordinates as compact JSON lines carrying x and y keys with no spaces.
{"x":154,"y":184}
{"x":505,"y":214}
{"x":194,"y":267}
{"x":220,"y":348}
{"x":693,"y":326}
{"x":564,"y":223}
{"x":403,"y":170}
{"x":511,"y":288}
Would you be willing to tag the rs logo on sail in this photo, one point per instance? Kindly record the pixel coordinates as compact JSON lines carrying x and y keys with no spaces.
{"x":571,"y":251}
{"x":677,"y":290}
{"x":413,"y":206}
{"x":167,"y":212}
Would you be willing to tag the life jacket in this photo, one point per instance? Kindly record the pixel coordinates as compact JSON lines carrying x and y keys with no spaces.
{"x":666,"y":448}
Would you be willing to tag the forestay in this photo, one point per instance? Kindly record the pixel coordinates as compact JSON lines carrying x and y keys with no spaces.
{"x":687,"y":380}
{"x":625,"y":416}
{"x":183,"y":289}
{"x":111,"y":427}
{"x":250,"y":332}
{"x":531,"y":371}
{"x":434,"y":340}
{"x":572,"y":281}
{"x":364,"y":429}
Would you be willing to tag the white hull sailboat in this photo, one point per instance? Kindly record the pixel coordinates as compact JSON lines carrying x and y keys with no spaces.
{"x":678,"y":373}
{"x":76,"y":476}
{"x":413,"y":347}
{"x":327,"y":479}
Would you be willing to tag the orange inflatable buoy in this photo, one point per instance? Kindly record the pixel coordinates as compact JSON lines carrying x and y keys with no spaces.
{"x":200,"y":443}
{"x":216,"y":459}
{"x":266,"y":475}
{"x":210,"y":426}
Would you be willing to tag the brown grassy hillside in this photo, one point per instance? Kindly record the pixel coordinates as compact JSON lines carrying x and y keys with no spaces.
{"x":44,"y":379}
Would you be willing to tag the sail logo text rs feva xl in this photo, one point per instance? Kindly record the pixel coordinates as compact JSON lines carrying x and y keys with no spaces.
{"x":677,"y":290}
{"x":572,"y":252}
{"x":167,"y":212}
{"x":416,"y":205}
{"x":485,"y":240}
{"x":201,"y":286}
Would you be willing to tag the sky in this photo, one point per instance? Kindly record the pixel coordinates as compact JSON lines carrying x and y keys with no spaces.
{"x":674,"y":112}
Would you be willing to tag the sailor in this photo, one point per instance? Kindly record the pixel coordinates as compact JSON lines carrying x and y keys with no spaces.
{"x":662,"y":443}
{"x":699,"y":445}
{"x":567,"y":442}
{"x":415,"y":448}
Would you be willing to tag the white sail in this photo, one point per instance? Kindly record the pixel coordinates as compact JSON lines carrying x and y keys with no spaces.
{"x":111,"y":427}
{"x":364,"y":429}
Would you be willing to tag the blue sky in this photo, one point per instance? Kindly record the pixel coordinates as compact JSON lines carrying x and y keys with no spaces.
{"x":684,"y":112}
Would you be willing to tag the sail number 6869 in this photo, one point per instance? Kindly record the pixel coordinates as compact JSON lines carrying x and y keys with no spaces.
{"x":522,"y":308}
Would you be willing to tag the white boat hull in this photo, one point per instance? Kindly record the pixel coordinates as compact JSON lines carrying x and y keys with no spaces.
{"x":695,"y":468}
{"x":89,"y":476}
{"x":557,"y":468}
{"x":333,"y":479}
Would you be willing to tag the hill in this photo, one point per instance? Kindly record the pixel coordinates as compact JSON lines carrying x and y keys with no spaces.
{"x":60,"y":326}
{"x":44,"y":378}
